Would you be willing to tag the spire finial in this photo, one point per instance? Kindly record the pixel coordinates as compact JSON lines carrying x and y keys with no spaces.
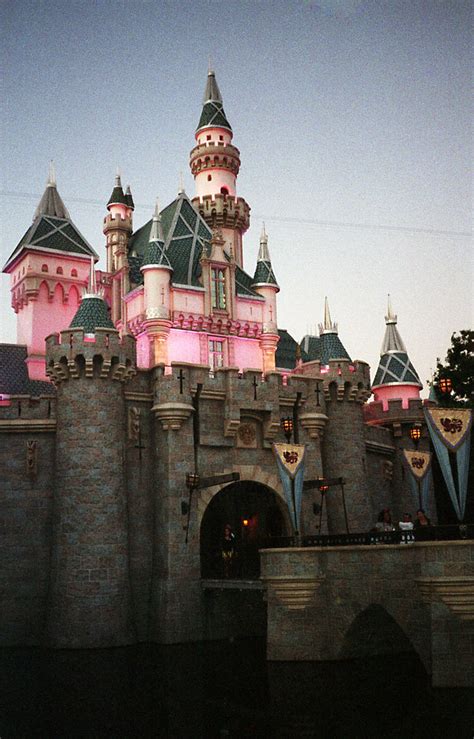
{"x":390,"y":317}
{"x":327,"y":327}
{"x":263,"y":253}
{"x":181,"y":183}
{"x":91,"y":290}
{"x":156,"y":231}
{"x":52,"y":174}
{"x":118,"y":178}
{"x":210,"y":69}
{"x":263,"y":234}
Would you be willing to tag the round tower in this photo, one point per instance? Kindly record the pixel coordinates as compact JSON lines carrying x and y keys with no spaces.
{"x":117,"y":228}
{"x":90,"y":602}
{"x":215,"y":164}
{"x":265,"y":284}
{"x":156,"y":270}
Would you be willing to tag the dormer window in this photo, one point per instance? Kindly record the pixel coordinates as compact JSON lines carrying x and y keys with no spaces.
{"x":218,"y":300}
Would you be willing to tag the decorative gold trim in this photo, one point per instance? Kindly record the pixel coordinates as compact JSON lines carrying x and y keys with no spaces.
{"x":294,"y":593}
{"x":29,"y":425}
{"x":456,"y":592}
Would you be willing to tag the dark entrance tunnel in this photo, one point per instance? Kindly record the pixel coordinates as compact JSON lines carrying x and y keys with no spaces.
{"x":255,"y":516}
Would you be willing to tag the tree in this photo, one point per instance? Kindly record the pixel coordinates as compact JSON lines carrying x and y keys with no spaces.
{"x":459,"y":368}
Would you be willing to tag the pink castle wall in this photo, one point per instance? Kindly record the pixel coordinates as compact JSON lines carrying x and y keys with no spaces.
{"x":405,"y":393}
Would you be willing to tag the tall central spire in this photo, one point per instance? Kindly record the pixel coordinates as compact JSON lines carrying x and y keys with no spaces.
{"x":213,"y":114}
{"x":392,"y":340}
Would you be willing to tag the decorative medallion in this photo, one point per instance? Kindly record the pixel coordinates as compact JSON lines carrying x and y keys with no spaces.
{"x":418,"y":462}
{"x":247,"y":434}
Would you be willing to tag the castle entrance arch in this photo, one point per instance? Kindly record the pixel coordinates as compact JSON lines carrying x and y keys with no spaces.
{"x":255,"y":514}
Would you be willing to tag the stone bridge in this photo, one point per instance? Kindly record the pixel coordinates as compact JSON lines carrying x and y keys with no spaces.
{"x":355,"y":601}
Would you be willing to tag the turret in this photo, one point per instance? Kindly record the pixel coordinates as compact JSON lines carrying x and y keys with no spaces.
{"x":396,"y":378}
{"x":215,"y":164}
{"x":48,"y":270}
{"x":90,"y":599}
{"x":118,"y":227}
{"x":327,"y":346}
{"x":265,"y":284}
{"x":156,"y":270}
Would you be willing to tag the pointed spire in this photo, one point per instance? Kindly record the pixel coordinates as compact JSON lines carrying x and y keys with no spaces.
{"x":264,"y":274}
{"x":93,"y":311}
{"x":118,"y":196}
{"x":394,"y":367}
{"x":92,"y":286}
{"x":51,"y":203}
{"x":129,"y":198}
{"x":181,"y":190}
{"x":392,"y":340}
{"x":327,"y":327}
{"x":155,"y":254}
{"x":51,"y":175}
{"x":213,"y":114}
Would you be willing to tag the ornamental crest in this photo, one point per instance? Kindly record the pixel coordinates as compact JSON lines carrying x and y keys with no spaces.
{"x":451,"y":425}
{"x":290,"y":456}
{"x":417,"y":462}
{"x":247,"y":434}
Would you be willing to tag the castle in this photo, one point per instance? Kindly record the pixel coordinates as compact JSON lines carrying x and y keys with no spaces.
{"x":171,"y":363}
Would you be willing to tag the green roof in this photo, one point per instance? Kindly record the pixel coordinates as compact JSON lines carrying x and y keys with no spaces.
{"x":286,"y":352}
{"x":92,"y":313}
{"x":155,"y":254}
{"x":324,"y":348}
{"x":395,"y":367}
{"x":213,"y":115}
{"x":118,"y":196}
{"x":185,"y":235}
{"x":264,"y":274}
{"x":60,"y":234}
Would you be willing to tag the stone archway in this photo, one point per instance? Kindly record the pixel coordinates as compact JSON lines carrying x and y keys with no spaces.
{"x":256,"y":514}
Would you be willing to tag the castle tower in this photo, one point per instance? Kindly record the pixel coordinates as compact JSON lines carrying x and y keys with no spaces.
{"x":265,"y":284}
{"x":396,"y":378}
{"x":118,"y":227}
{"x":90,"y":603}
{"x":156,"y":271}
{"x":215,"y":164}
{"x":48,"y":271}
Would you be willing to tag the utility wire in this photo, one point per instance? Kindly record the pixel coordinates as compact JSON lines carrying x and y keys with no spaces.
{"x":294,"y":220}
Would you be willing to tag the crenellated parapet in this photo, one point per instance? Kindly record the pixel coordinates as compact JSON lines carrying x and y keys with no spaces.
{"x":341,"y":379}
{"x":213,"y":154}
{"x":394,"y":414}
{"x":73,"y":353}
{"x":223,"y":211}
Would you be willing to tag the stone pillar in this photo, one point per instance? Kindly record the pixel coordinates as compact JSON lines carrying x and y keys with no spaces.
{"x":90,"y":604}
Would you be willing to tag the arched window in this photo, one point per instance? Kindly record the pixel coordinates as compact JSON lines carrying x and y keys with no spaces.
{"x":74,"y":273}
{"x":218,"y":289}
{"x":59,"y":271}
{"x":44,"y":267}
{"x":209,"y":177}
{"x":224,"y":191}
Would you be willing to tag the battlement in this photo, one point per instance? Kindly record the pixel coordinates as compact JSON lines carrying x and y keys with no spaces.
{"x":74,"y":353}
{"x":212,"y":154}
{"x":224,"y":211}
{"x":117,"y":223}
{"x":374,"y":413}
{"x":23,"y":412}
{"x":341,"y":379}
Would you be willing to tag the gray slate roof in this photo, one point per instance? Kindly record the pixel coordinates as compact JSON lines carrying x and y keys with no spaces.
{"x":91,"y":314}
{"x":286,"y":352}
{"x":14,"y":378}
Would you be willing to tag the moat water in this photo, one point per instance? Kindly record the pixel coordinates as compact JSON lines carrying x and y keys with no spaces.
{"x":221,"y":690}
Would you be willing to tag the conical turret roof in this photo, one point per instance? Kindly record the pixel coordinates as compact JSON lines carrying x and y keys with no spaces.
{"x":213,"y":114}
{"x":93,"y":312}
{"x":118,"y":196}
{"x":394,"y":366}
{"x":51,"y":203}
{"x":264,"y":274}
{"x":155,"y":253}
{"x":128,"y":198}
{"x":327,"y":346}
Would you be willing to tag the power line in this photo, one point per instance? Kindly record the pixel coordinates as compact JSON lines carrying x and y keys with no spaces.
{"x":294,"y":220}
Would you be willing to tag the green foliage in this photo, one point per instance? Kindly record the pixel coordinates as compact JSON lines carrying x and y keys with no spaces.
{"x":459,"y":368}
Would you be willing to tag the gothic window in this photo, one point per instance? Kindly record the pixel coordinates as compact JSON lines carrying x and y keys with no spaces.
{"x":44,"y":267}
{"x":224,"y":191}
{"x":218,"y":289}
{"x":74,"y":273}
{"x":59,"y":271}
{"x":216,"y":353}
{"x":209,"y":177}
